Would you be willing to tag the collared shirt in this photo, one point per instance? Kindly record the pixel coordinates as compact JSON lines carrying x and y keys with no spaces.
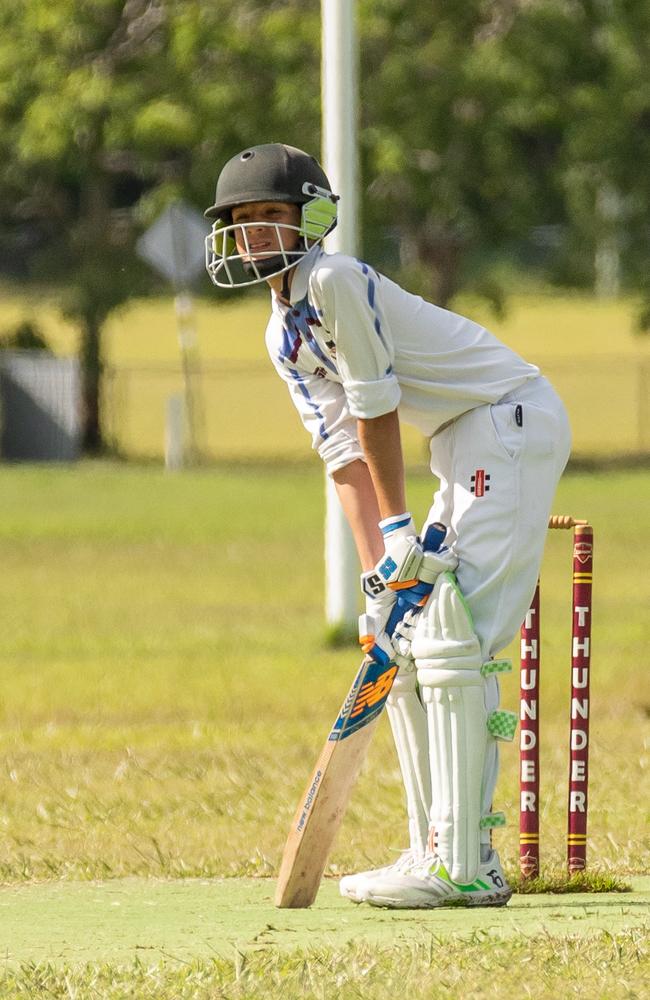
{"x":353,"y":344}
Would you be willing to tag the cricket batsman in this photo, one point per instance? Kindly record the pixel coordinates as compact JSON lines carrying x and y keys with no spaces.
{"x":358,"y":354}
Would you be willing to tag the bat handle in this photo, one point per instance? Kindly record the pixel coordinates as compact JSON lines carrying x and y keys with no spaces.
{"x":434,"y":536}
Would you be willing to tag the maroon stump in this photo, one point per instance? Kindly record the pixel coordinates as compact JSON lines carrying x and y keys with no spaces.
{"x":529,"y":742}
{"x":579,"y":716}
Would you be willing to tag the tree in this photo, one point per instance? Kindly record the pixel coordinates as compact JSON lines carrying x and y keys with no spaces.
{"x":112,"y":108}
{"x":455,"y":140}
{"x":482,"y":121}
{"x":60,"y":62}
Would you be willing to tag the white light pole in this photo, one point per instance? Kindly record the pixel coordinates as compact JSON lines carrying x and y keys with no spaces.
{"x":339,"y":142}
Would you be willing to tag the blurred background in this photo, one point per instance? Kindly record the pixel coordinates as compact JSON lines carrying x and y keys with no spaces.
{"x":503,"y":160}
{"x":162,"y":633}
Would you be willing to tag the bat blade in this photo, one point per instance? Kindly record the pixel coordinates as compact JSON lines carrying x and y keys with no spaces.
{"x":325,"y":799}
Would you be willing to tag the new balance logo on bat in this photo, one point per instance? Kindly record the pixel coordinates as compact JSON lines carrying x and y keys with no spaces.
{"x":371,"y":693}
{"x":366,"y":699}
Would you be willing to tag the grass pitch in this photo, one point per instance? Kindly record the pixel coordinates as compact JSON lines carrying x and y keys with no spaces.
{"x":165,"y":688}
{"x":124,"y":919}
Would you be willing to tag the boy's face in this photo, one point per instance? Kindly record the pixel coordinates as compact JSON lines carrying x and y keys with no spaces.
{"x":265,"y":240}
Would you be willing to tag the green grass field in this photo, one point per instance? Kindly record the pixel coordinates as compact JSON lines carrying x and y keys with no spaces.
{"x":165,"y":689}
{"x":587,"y":347}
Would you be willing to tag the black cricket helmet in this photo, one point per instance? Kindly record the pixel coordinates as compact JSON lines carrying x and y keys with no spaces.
{"x":267,"y":173}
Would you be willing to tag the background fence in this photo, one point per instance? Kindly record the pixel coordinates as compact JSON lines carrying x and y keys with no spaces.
{"x":243,"y":411}
{"x":39,"y":406}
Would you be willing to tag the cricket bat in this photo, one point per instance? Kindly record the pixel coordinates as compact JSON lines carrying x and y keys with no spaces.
{"x":325,"y":799}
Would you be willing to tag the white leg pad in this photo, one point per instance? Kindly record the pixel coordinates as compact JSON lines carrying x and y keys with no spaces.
{"x":408,"y":721}
{"x":448,"y":659}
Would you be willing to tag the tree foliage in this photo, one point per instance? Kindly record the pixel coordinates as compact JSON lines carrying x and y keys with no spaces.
{"x":110,"y":109}
{"x":485,"y":120}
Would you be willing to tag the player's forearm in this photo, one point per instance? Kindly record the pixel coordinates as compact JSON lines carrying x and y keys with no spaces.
{"x":382,"y":446}
{"x":357,"y":495}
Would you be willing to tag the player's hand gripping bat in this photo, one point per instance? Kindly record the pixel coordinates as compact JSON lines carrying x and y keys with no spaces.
{"x":324,"y":802}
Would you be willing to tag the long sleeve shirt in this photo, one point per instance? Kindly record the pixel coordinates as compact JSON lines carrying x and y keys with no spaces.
{"x":354,"y":344}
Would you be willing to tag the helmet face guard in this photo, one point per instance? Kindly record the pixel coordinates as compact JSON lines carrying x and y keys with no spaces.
{"x":229,"y":267}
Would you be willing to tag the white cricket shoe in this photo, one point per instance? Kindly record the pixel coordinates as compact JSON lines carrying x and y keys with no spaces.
{"x":426,"y":885}
{"x":355,"y":887}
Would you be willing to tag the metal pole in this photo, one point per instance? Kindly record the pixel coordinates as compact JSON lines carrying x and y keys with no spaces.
{"x":189,"y":363}
{"x":643,"y":407}
{"x":339,"y":152}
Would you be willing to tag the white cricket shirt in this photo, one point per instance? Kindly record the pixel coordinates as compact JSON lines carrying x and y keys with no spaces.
{"x":354,"y":344}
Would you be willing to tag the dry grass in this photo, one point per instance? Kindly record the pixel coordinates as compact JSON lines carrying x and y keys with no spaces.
{"x":606,"y":966}
{"x":154,"y":694}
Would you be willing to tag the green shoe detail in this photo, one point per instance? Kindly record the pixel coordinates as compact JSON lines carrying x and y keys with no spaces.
{"x":441,"y":872}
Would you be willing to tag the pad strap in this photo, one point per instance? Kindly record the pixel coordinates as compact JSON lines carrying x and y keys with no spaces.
{"x":493,"y":820}
{"x":496,"y":667}
{"x":502,"y":724}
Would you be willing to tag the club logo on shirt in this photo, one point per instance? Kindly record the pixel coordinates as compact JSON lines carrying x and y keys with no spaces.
{"x":331,"y":347}
{"x":320,"y":372}
{"x":480,"y":483}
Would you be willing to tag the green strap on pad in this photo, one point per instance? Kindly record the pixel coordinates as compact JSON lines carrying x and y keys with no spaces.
{"x":502,"y":724}
{"x":492,"y":821}
{"x":496,"y":667}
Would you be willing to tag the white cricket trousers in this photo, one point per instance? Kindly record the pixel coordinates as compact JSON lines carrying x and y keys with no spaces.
{"x":499,"y":466}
